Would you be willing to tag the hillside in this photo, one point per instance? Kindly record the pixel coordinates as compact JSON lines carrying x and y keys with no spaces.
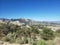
{"x":30,"y":32}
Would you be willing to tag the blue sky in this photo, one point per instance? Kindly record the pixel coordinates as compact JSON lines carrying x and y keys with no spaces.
{"x":44,"y":10}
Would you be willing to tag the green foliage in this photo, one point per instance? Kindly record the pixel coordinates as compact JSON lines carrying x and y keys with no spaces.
{"x":19,"y":41}
{"x":35,"y":30}
{"x":41,"y":42}
{"x":47,"y":34}
{"x":10,"y":37}
{"x":34,"y":43}
{"x":23,"y":35}
{"x":3,"y":29}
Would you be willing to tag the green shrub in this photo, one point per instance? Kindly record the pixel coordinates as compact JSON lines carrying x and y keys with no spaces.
{"x":41,"y":42}
{"x":18,"y":40}
{"x":10,"y":38}
{"x":47,"y":34}
{"x":58,"y":32}
{"x":34,"y":43}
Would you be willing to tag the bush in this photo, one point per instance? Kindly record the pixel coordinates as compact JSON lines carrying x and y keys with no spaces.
{"x":34,"y":43}
{"x":47,"y":34}
{"x":18,"y":40}
{"x":10,"y":38}
{"x":39,"y":42}
{"x":58,"y":32}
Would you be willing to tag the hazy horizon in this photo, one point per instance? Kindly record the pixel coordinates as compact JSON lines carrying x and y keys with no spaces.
{"x":40,"y":10}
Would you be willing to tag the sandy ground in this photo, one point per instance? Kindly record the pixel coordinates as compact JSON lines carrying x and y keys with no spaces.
{"x":6,"y":43}
{"x":54,"y":28}
{"x":57,"y":41}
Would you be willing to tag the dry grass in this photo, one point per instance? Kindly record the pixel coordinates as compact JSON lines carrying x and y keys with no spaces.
{"x":57,"y":41}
